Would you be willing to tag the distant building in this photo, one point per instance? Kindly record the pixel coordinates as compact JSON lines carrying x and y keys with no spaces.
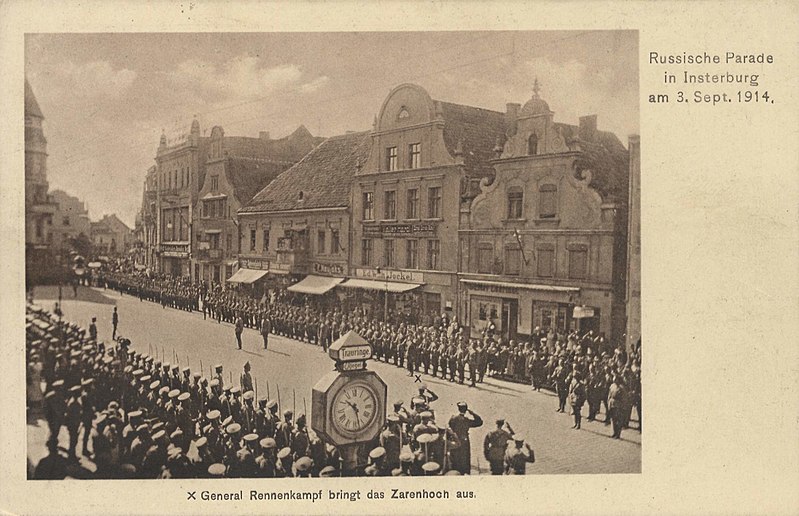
{"x":146,"y":229}
{"x":544,"y":243}
{"x":236,"y":168}
{"x":296,"y":231}
{"x":39,"y":209}
{"x":70,"y":219}
{"x":111,"y":237}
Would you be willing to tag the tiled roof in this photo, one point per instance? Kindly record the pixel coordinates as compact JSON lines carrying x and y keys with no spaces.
{"x":605,"y":156}
{"x":249,"y":175}
{"x":478,"y":129}
{"x":324,"y":177}
{"x":31,"y":106}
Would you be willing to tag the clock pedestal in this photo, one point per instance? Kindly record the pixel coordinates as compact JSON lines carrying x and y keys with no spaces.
{"x":353,"y":456}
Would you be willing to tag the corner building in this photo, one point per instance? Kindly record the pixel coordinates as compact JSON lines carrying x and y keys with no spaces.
{"x":543,"y":244}
{"x":407,"y":197}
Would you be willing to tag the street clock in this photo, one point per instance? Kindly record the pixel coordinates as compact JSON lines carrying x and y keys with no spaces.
{"x":349,"y":403}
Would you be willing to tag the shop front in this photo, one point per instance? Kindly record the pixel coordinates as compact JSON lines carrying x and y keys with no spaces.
{"x":514,"y":310}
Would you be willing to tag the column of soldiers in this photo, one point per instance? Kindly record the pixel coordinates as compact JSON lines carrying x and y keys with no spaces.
{"x":549,"y":360}
{"x":136,"y":417}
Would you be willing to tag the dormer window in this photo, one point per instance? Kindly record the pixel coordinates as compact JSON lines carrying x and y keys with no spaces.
{"x":532,"y":145}
{"x":403,"y":114}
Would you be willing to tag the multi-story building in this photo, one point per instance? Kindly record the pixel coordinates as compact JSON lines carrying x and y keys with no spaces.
{"x":111,"y":236}
{"x":544,"y":243}
{"x":39,"y":209}
{"x":298,"y":227}
{"x":407,"y":200}
{"x":633,"y":297}
{"x":180,"y":172}
{"x":235,"y":170}
{"x":146,"y":229}
{"x":70,"y":220}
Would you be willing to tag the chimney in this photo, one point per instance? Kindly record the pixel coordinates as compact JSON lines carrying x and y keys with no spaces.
{"x":511,"y":114}
{"x":264,"y":135}
{"x":587,"y":127}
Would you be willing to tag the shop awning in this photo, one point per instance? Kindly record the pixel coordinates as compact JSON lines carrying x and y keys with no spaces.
{"x":246,"y":276}
{"x":385,"y":286}
{"x":527,"y":286}
{"x":315,"y":284}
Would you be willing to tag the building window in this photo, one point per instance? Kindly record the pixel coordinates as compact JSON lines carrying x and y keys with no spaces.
{"x":366,"y":251}
{"x":412,"y":208}
{"x":547,"y":207}
{"x":213,"y":209}
{"x":388,"y":253}
{"x":546,"y":258}
{"x":515,"y":203}
{"x":434,"y":202}
{"x":391,"y":159}
{"x":205,"y":209}
{"x":390,"y":208}
{"x":485,"y":259}
{"x":513,"y":260}
{"x":412,"y":254}
{"x":578,"y":263}
{"x":321,"y":236}
{"x":229,"y":242}
{"x":368,"y":206}
{"x":414,"y":155}
{"x":252,"y":240}
{"x":66,"y":221}
{"x":433,"y":254}
{"x":335,"y":243}
{"x":214,"y":183}
{"x":266,"y":241}
{"x":532,"y":145}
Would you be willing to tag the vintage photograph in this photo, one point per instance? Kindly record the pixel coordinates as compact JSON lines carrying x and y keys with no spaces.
{"x":332,"y":254}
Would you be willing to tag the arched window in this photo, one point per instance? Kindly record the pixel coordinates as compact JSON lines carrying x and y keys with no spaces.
{"x":547,"y":197}
{"x":532,"y":145}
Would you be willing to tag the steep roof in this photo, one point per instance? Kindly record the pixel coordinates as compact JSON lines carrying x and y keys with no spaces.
{"x":478,"y":130}
{"x":323,"y":176}
{"x":31,"y":105}
{"x":605,"y":156}
{"x":249,"y":175}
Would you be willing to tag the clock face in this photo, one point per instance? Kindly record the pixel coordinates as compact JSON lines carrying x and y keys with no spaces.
{"x":354,"y":407}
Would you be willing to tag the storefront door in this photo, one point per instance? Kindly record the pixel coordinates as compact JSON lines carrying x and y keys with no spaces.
{"x":510,"y":318}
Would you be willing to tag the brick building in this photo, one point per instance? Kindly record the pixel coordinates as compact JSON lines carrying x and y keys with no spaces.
{"x":236,"y":169}
{"x":295,"y":233}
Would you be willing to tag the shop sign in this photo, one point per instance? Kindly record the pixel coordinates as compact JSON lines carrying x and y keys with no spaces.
{"x":417,"y":228}
{"x":493,"y":288}
{"x":174,"y":254}
{"x":358,"y":365}
{"x":249,"y":263}
{"x":390,"y":275}
{"x":330,"y":269}
{"x":583,"y":312}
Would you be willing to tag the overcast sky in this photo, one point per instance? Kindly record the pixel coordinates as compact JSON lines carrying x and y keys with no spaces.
{"x":107,"y":97}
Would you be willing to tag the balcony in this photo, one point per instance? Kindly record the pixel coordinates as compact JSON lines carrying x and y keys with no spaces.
{"x":210,"y":254}
{"x":293,"y":255}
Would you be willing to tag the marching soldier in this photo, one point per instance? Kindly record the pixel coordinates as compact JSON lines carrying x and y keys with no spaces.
{"x":245,"y":380}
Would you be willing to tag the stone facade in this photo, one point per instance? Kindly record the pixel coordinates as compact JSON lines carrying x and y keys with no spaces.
{"x":111,"y":237}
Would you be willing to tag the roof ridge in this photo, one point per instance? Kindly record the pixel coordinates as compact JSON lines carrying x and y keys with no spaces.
{"x":468,"y":106}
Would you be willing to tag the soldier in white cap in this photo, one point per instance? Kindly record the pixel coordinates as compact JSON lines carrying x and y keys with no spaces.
{"x":267,"y":462}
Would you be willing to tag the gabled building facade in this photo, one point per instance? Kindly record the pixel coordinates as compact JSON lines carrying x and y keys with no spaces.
{"x":111,"y":237}
{"x":297,"y":229}
{"x":180,"y":173}
{"x":406,"y":200}
{"x":543,"y":244}
{"x":70,"y":219}
{"x":236,"y":169}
